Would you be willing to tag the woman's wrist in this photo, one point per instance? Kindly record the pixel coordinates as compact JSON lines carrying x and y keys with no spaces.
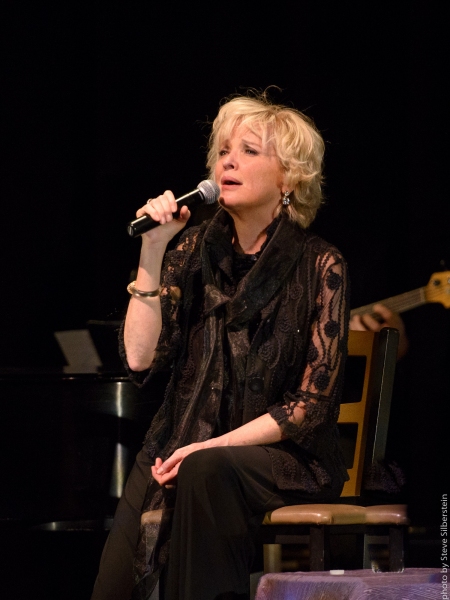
{"x":222,"y":440}
{"x":134,"y":291}
{"x":148,"y":277}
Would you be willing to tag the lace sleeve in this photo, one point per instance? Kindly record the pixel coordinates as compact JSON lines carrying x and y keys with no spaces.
{"x":316,"y":401}
{"x":177,"y":264}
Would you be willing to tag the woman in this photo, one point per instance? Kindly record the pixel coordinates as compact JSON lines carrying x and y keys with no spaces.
{"x":250,"y":315}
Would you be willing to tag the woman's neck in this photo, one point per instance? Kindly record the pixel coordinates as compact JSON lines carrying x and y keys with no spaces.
{"x":249,"y":236}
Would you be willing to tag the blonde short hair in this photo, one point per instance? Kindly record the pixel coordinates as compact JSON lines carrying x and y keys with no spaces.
{"x":295,"y":139}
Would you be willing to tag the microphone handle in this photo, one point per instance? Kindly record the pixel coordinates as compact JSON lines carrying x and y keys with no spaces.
{"x":145,"y":223}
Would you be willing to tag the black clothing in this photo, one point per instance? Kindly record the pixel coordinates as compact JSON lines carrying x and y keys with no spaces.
{"x":222,"y":496}
{"x":115,"y":577}
{"x":240,"y":348}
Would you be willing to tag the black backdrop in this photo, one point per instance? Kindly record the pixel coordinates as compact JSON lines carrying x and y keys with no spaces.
{"x":106,"y":105}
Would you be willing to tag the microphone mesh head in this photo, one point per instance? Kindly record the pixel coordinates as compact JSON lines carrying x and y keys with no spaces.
{"x":210,"y":191}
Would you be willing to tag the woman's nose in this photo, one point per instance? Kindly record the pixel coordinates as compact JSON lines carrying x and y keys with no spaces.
{"x":230,"y":161}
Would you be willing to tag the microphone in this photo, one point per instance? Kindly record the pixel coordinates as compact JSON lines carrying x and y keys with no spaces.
{"x":207,"y":192}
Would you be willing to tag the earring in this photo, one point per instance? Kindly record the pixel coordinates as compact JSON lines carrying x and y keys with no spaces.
{"x":286,"y":200}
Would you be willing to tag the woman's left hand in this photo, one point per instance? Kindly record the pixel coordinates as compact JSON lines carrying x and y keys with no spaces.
{"x":166,"y":471}
{"x":262,"y":430}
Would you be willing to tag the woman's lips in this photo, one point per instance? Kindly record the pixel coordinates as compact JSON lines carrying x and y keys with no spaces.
{"x":227,"y":182}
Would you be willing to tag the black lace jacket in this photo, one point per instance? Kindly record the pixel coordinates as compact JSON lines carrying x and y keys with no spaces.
{"x":237,"y":349}
{"x":276,"y":338}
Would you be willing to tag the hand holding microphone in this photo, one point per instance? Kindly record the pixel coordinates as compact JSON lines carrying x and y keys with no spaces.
{"x":165,"y":207}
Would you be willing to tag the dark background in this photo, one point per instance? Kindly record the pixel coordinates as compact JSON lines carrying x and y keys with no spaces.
{"x":106,"y":104}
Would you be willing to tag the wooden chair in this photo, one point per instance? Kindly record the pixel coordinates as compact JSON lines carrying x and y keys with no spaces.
{"x":371,"y":367}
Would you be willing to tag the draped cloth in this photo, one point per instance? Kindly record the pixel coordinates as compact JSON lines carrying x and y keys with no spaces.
{"x":414,"y":584}
{"x":236,"y":349}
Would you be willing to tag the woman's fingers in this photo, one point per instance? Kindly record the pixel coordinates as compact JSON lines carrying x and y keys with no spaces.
{"x":185,"y":213}
{"x":168,"y":476}
{"x":171,"y":462}
{"x":160,"y":209}
{"x":168,"y":470}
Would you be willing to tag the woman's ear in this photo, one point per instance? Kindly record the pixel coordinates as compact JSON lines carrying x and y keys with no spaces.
{"x":286,"y":182}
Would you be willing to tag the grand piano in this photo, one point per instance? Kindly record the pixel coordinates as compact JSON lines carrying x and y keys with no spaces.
{"x":68,"y":438}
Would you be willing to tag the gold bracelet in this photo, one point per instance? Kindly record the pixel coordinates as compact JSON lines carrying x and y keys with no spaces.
{"x":131,"y":289}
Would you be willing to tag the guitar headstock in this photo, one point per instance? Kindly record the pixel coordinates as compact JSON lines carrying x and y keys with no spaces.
{"x":438,"y":288}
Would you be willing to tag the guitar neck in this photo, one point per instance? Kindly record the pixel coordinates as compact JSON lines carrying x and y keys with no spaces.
{"x":400,"y":303}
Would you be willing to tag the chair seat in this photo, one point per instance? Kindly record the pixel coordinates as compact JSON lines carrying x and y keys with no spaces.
{"x":387,"y":514}
{"x":338,"y":514}
{"x":322,"y":514}
{"x":316,"y":514}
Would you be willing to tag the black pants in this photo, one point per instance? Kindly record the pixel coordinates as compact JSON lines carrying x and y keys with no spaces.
{"x":222,"y":496}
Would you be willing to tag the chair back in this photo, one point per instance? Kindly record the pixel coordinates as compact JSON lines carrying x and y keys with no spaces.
{"x":365,"y":406}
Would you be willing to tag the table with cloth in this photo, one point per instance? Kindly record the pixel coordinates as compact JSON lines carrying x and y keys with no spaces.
{"x":411,"y":584}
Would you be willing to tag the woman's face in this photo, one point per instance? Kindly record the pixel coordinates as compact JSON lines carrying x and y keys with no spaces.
{"x":249,"y":174}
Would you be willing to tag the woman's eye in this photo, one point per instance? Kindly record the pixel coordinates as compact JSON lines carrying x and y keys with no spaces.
{"x":222,"y":152}
{"x":251,"y":151}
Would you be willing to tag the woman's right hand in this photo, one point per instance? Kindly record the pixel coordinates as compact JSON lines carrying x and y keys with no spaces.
{"x":143,"y":321}
{"x":161,"y":209}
